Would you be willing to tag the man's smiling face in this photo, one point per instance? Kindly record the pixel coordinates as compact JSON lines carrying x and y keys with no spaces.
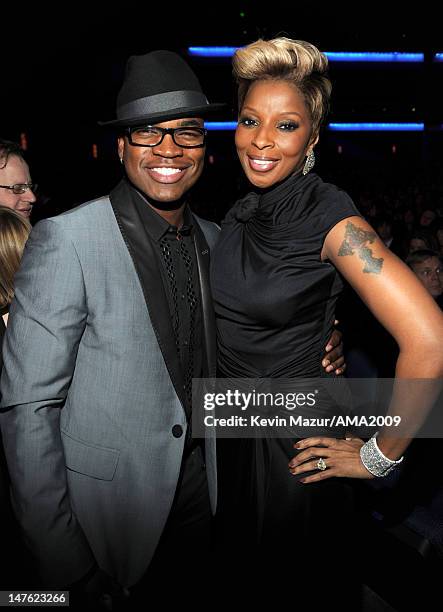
{"x":164,"y":172}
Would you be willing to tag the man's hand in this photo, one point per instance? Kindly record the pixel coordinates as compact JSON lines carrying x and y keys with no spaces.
{"x":333,"y":359}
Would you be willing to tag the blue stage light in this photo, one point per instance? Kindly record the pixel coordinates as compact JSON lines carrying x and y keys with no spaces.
{"x":376,"y":127}
{"x":438,"y":57}
{"x":333,"y":56}
{"x":212,"y":51}
{"x":220,"y":125}
{"x":374,"y":57}
{"x":337,"y":127}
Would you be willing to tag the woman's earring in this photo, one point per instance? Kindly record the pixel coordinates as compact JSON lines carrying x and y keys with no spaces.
{"x":121,"y":160}
{"x":309,"y":163}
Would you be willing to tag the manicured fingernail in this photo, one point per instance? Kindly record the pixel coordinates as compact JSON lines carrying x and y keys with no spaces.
{"x":329,"y":347}
{"x":302,"y":481}
{"x":329,"y":368}
{"x":298,"y":445}
{"x":326,"y":362}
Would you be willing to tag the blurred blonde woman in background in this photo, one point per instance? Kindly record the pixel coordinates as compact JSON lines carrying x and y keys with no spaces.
{"x":14,"y":232}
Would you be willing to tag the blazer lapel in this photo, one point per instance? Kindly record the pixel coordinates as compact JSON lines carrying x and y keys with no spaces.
{"x":202,"y":253}
{"x":147,"y":268}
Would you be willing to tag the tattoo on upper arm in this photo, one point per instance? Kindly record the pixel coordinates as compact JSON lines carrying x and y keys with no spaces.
{"x":356,"y":241}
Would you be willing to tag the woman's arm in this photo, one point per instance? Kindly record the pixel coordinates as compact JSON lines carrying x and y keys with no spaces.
{"x":403,"y":306}
{"x":397,"y":299}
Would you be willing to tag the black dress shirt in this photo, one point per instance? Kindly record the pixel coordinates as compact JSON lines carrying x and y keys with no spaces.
{"x":178,"y":265}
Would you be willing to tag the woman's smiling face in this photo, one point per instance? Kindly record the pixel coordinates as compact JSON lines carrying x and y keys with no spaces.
{"x":274,"y":132}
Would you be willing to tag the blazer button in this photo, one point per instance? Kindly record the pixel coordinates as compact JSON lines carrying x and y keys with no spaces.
{"x":177,"y":431}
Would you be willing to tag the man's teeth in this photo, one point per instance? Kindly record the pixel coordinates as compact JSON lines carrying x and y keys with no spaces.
{"x":167,"y":171}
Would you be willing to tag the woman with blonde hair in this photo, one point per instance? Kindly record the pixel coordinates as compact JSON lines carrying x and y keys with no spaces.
{"x":14,"y":232}
{"x":276,"y":275}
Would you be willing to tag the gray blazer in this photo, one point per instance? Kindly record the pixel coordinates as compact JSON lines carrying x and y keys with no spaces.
{"x":91,"y":391}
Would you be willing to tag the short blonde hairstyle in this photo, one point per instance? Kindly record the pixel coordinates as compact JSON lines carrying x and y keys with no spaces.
{"x":14,"y":232}
{"x":282,"y":59}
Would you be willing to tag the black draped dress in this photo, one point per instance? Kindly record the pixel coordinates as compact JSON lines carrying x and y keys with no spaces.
{"x":275,"y":303}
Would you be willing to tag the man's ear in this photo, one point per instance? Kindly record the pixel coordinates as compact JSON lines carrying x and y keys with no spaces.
{"x":121,"y":146}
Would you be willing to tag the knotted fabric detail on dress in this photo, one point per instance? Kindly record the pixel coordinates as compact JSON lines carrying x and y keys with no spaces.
{"x":264,"y":203}
{"x":247,"y":207}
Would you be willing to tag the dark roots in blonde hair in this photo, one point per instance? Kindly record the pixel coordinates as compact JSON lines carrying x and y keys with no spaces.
{"x":295,"y":61}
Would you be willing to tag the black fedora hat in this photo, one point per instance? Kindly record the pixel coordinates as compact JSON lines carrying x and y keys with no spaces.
{"x":159,"y":86}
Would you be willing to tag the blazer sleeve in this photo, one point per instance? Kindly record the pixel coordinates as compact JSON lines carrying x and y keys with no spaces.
{"x":46,"y":322}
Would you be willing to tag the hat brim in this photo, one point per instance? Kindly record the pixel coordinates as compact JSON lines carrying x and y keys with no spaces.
{"x":177,"y":113}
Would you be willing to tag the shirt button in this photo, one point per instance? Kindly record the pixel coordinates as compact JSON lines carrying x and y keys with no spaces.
{"x":177,"y":431}
{"x":183,"y":296}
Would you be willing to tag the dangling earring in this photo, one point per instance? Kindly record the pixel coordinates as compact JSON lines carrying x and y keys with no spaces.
{"x":121,"y":160}
{"x":309,"y":163}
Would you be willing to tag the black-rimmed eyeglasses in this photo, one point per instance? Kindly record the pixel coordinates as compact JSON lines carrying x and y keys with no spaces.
{"x":152,"y":136}
{"x":19,"y":188}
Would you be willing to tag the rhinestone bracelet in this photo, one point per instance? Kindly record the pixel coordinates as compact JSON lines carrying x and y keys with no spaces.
{"x":374,"y":460}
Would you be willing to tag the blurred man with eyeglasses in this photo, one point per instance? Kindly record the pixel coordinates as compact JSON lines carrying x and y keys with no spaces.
{"x":16,"y":188}
{"x":427,"y":265}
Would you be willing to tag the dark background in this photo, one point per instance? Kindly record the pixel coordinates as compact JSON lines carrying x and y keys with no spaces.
{"x":62,"y":67}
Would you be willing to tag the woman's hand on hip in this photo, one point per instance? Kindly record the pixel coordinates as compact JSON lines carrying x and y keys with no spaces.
{"x":332,"y":457}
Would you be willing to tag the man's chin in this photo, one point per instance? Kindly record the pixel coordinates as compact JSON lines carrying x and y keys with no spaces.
{"x":165,"y":194}
{"x":162,"y":201}
{"x":166,"y":198}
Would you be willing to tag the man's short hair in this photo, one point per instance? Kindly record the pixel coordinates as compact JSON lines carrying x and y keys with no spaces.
{"x":8,"y":148}
{"x":418,"y":257}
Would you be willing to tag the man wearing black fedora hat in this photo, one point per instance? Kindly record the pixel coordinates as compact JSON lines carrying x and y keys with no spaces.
{"x":112,"y":320}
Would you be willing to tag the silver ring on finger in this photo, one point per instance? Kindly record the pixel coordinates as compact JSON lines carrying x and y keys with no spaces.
{"x":321,"y":464}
